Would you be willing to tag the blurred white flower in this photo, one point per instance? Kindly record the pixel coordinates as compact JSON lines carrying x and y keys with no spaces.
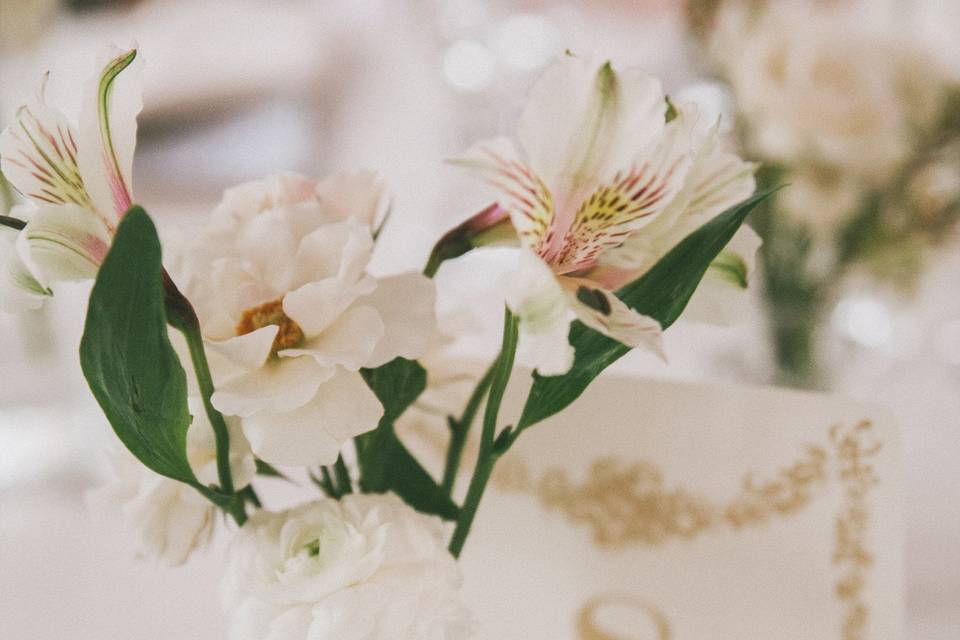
{"x":78,"y":181}
{"x":366,"y":568}
{"x":279,"y":282}
{"x":598,"y":187}
{"x":841,"y":85}
{"x":170,"y":519}
{"x":822,"y":200}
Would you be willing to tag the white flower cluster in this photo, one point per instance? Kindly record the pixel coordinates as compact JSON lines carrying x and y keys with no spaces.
{"x":283,"y":320}
{"x":365,"y":568}
{"x":839,"y":91}
{"x":168,"y":519}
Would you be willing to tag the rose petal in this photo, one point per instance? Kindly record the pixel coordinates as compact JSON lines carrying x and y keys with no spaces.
{"x":317,"y":305}
{"x":353,"y":194}
{"x":407,"y":305}
{"x":348,"y":342}
{"x":282,"y":384}
{"x":343,"y":407}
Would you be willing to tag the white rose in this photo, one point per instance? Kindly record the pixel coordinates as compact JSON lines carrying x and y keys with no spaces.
{"x":821,"y":200}
{"x":169,"y":519}
{"x":841,"y":86}
{"x":279,"y":280}
{"x":366,"y":568}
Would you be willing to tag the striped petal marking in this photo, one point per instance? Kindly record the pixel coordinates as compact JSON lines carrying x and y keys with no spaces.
{"x":527,"y":198}
{"x":38,"y":155}
{"x":614,"y":211}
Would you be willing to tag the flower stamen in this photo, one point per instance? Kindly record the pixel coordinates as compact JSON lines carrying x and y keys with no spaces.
{"x":289,"y":334}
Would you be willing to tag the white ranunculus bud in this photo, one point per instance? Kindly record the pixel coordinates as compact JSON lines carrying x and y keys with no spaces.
{"x":169,"y":519}
{"x":368,"y":567}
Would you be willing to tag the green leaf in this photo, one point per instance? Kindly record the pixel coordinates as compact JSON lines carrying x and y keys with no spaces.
{"x":389,"y":466}
{"x":661,"y":293}
{"x":397,"y":384}
{"x":126,"y":354}
{"x":731,"y":267}
{"x":385,"y":463}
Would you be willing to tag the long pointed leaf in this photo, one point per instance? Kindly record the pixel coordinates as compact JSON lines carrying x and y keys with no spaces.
{"x":661,"y":293}
{"x":126,"y":355}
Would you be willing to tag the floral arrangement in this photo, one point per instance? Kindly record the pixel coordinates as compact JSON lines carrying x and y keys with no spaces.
{"x":859,"y":115}
{"x":617,"y":200}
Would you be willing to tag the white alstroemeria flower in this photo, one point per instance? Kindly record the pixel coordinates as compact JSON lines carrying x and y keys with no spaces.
{"x":290,"y":314}
{"x":595,"y":166}
{"x":78,"y":180}
{"x":169,"y":519}
{"x":716,"y":180}
{"x":366,"y":568}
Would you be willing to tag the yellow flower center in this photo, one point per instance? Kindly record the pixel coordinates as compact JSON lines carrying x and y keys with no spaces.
{"x":289,"y":334}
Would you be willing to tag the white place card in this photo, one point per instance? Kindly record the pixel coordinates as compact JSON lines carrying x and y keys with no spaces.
{"x":653,"y":510}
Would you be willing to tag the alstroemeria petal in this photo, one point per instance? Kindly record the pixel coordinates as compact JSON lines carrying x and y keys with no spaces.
{"x":603,"y":311}
{"x":537,"y":299}
{"x":64,"y":242}
{"x":283,"y":384}
{"x":108,"y":132}
{"x":353,"y":194}
{"x":19,"y":288}
{"x":625,"y":204}
{"x":581,"y":119}
{"x":342,"y":408}
{"x":523,"y":194}
{"x":715,"y":181}
{"x":718,"y":182}
{"x":348,"y":342}
{"x":407,"y":305}
{"x":38,"y":155}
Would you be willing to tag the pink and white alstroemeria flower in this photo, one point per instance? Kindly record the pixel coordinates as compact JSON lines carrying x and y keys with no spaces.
{"x":76,"y":179}
{"x":594,"y":166}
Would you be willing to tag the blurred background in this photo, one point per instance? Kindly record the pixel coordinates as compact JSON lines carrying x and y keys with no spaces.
{"x":857,"y":287}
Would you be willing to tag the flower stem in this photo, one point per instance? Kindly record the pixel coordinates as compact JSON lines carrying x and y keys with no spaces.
{"x":344,"y":484}
{"x":489,"y":452}
{"x":11,"y":222}
{"x":460,"y":428}
{"x":205,"y":382}
{"x":181,"y":315}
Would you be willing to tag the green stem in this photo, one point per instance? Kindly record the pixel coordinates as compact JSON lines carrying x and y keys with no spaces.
{"x":460,"y":429}
{"x":181,"y":315}
{"x":13,"y":223}
{"x":220,"y":432}
{"x":7,"y":199}
{"x":328,"y":485}
{"x":489,"y":452}
{"x":433,"y":263}
{"x":344,"y":485}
